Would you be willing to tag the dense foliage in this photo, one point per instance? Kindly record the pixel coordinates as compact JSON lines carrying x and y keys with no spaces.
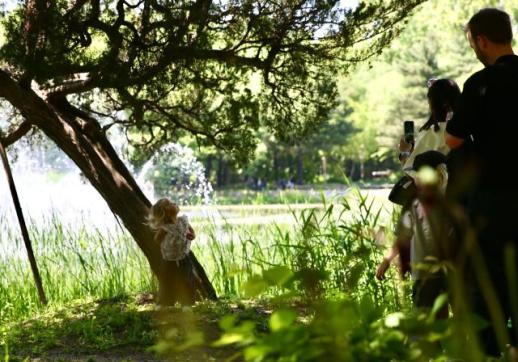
{"x":374,"y":98}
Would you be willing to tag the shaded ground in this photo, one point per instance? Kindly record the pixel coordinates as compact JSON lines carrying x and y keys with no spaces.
{"x":123,"y":354}
{"x":124,"y":329}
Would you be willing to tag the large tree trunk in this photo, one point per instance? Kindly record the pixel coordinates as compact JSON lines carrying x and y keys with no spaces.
{"x":81,"y":138}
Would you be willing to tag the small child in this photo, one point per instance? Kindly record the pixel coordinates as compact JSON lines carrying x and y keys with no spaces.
{"x":425,"y":228}
{"x":173,"y":232}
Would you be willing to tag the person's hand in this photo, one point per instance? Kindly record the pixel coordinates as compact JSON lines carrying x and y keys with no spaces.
{"x":191,"y":235}
{"x":382,"y":269}
{"x":404,"y":146}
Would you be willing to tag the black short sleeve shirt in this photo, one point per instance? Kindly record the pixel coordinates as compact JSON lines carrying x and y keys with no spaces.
{"x":488,"y":113}
{"x":467,"y":112}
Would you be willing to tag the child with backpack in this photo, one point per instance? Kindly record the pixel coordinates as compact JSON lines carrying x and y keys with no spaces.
{"x":425,"y":227}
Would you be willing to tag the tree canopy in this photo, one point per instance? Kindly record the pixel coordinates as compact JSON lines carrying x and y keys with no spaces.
{"x":216,"y":69}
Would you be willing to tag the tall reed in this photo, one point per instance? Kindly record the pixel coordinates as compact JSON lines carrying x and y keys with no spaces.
{"x":78,"y":261}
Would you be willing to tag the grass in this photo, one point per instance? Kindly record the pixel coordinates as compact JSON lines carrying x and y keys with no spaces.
{"x":251,"y":197}
{"x":90,"y":276}
{"x":75,"y":263}
{"x":302,"y":194}
{"x":331,"y":237}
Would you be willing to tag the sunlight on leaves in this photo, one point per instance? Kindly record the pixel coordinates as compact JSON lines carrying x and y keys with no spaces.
{"x":393,"y":320}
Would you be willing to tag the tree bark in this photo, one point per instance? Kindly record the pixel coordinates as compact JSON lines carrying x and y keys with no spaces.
{"x":352,"y":173}
{"x":300,"y":166}
{"x":223,"y":172}
{"x":276,"y":165}
{"x":208,"y":167}
{"x":83,"y":140}
{"x":323,"y":161}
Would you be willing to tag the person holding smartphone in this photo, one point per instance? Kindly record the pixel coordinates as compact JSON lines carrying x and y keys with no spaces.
{"x":443,"y":95}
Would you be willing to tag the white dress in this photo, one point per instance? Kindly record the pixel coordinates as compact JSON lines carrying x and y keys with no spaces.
{"x":418,"y":225}
{"x":175,"y":246}
{"x":427,"y":140}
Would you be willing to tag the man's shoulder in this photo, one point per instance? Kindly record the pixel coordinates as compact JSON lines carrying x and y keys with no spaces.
{"x":507,"y":60}
{"x":476,"y":79}
{"x":505,"y":68}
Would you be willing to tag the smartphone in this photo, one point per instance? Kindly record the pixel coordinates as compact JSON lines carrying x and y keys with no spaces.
{"x":408,"y":127}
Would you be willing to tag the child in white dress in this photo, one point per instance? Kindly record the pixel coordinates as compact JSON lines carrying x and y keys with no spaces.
{"x":425,"y":226}
{"x":173,"y":232}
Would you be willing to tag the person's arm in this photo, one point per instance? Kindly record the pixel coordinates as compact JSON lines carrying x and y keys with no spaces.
{"x":453,"y":142}
{"x":460,"y":127}
{"x":403,"y":237}
{"x":385,"y":263}
{"x":405,"y":149}
{"x":404,"y":146}
{"x":159,"y":236}
{"x":422,"y":144}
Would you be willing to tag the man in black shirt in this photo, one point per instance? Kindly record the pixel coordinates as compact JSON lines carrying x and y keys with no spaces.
{"x":487,"y":115}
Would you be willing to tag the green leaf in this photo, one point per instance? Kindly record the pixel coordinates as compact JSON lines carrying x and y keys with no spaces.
{"x":254,"y":286}
{"x":161,"y":347}
{"x":194,"y":339}
{"x":354,"y":275}
{"x":227,"y":322}
{"x":438,"y":304}
{"x":278,"y":275}
{"x":229,"y":338}
{"x":393,"y":320}
{"x":256,"y":352}
{"x":282,"y":319}
{"x":242,"y":334}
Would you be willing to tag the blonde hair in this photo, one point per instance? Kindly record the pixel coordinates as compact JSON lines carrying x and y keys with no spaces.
{"x":442,"y":170}
{"x":158,"y":214}
{"x":436,"y":177}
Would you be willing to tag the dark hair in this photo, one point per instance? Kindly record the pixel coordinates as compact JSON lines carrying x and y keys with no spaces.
{"x":493,"y":23}
{"x":430,"y":158}
{"x":443,"y":95}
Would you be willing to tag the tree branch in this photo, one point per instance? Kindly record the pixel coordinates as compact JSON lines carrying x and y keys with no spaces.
{"x":75,"y":7}
{"x":18,"y":133}
{"x":75,"y":86}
